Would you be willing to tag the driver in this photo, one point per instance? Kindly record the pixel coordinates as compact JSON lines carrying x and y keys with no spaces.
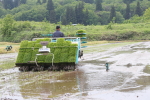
{"x":58,"y":33}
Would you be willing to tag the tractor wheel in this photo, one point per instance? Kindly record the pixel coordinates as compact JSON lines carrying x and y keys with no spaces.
{"x":25,"y":68}
{"x":33,"y":69}
{"x":41,"y":68}
{"x":50,"y":68}
{"x":65,"y":68}
{"x":20,"y":69}
{"x":72,"y":67}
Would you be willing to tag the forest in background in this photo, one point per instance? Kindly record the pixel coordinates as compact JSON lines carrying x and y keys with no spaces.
{"x":86,"y":12}
{"x":26,"y":19}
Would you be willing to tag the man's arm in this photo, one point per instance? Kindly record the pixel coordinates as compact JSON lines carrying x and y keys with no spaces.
{"x":53,"y":35}
{"x":63,"y":35}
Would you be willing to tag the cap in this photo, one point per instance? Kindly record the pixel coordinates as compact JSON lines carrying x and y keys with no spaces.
{"x":57,"y":27}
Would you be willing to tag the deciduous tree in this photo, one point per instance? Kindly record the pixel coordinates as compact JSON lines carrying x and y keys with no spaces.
{"x":7,"y":25}
{"x":147,"y":14}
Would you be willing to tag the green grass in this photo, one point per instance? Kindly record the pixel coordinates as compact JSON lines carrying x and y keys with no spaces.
{"x":132,"y":31}
{"x":100,"y":30}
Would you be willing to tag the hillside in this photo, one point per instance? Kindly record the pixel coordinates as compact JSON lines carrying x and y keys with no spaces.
{"x":32,"y":19}
{"x":87,"y":12}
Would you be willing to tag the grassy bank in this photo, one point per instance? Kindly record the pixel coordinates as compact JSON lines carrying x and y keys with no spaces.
{"x":114,"y":32}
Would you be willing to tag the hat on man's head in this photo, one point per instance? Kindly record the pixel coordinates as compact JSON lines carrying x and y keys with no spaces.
{"x":57,"y":27}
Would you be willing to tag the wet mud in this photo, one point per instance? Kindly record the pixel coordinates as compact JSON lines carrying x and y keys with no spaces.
{"x":128,"y":76}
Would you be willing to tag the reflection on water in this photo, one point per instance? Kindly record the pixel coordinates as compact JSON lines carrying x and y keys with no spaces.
{"x":144,"y":81}
{"x":46,"y":85}
{"x":41,"y":85}
{"x":147,"y":69}
{"x":102,"y":80}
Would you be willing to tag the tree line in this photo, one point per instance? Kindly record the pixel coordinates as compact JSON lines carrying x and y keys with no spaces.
{"x":10,"y":4}
{"x":73,"y":13}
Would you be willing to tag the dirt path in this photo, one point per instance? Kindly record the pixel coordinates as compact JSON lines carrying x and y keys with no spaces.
{"x":127,"y":79}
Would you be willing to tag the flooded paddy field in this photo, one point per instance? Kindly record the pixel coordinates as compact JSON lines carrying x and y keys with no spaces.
{"x":128,"y":77}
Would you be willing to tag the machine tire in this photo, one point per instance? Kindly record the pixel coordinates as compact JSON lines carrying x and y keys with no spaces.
{"x":33,"y":69}
{"x":50,"y":68}
{"x":20,"y":69}
{"x":41,"y":68}
{"x":25,"y":68}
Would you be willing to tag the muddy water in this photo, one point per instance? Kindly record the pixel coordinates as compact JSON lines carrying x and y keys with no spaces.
{"x":128,"y":77}
{"x":5,"y":57}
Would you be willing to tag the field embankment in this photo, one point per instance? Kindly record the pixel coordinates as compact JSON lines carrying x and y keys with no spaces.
{"x":25,"y":30}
